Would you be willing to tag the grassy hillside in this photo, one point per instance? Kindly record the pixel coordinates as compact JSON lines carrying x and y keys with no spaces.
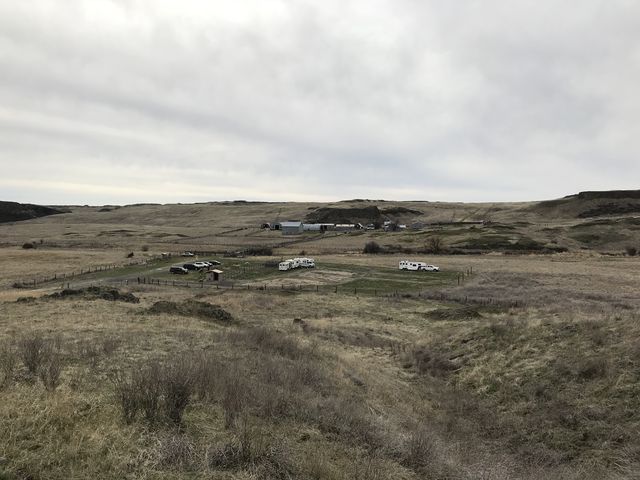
{"x":332,"y":386}
{"x":503,"y":366}
{"x":599,"y":221}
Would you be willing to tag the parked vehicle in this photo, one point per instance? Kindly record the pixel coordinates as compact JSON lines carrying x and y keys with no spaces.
{"x":213,"y":262}
{"x":286,"y":265}
{"x":411,"y":265}
{"x":306,"y":262}
{"x":298,"y":262}
{"x":178,"y":270}
{"x":188,"y":254}
{"x":201,"y":265}
{"x":190,"y":266}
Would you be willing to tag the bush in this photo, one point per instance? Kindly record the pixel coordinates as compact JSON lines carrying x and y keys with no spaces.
{"x":177,"y":451}
{"x":8,"y":361}
{"x":51,"y":368}
{"x":435,"y":245}
{"x":259,"y":251}
{"x":28,"y":245}
{"x":372,"y":247}
{"x":145,"y":248}
{"x":592,"y":368}
{"x":420,"y":448}
{"x":32,"y":351}
{"x":178,"y":384}
{"x":235,"y":397}
{"x":160,"y":392}
{"x":631,"y":251}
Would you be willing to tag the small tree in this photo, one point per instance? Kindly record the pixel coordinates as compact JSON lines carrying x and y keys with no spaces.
{"x":372,"y":247}
{"x":631,"y":251}
{"x":435,"y":244}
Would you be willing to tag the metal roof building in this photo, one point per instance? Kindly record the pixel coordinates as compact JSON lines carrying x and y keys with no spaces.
{"x":291,"y":228}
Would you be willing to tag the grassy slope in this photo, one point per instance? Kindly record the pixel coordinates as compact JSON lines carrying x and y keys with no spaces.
{"x":225,"y":225}
{"x":545,"y":390}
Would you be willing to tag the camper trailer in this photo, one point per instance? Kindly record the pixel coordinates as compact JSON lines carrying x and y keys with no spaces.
{"x":286,"y":265}
{"x":306,"y":262}
{"x":297,"y":262}
{"x":410,"y":265}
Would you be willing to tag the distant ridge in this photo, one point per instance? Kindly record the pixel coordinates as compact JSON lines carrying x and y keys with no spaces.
{"x":590,"y":204}
{"x":15,"y":212}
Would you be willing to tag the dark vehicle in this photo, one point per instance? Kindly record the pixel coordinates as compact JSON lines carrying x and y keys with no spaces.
{"x":190,"y":266}
{"x":179,"y":270}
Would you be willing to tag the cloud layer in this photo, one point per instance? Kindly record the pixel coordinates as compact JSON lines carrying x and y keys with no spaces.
{"x":129,"y":101}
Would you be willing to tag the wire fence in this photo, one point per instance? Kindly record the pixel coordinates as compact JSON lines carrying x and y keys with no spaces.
{"x":74,"y":274}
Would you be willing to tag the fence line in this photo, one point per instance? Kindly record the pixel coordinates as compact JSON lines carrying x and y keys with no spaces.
{"x":309,"y":288}
{"x":33,"y":282}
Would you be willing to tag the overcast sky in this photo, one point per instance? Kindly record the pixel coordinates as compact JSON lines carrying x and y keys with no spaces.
{"x":116,"y":101}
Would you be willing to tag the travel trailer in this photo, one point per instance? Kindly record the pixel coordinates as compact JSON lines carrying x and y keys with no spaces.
{"x":297,"y":262}
{"x":286,"y":265}
{"x":411,"y":265}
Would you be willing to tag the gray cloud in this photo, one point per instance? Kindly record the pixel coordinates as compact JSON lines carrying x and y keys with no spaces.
{"x":127,"y":101}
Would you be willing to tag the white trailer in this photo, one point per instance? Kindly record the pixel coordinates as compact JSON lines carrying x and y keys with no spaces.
{"x":298,"y":262}
{"x":306,"y":262}
{"x":413,"y":265}
{"x":286,"y":265}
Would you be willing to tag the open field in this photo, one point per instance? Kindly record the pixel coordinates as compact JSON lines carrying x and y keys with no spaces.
{"x":498,"y":367}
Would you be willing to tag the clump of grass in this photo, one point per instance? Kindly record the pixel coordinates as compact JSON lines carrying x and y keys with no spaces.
{"x":178,"y":452}
{"x":8,"y":363}
{"x":192,"y":308}
{"x":592,"y":368}
{"x":427,"y":361}
{"x":252,"y":449}
{"x":51,"y":368}
{"x":32,"y":350}
{"x":159,"y":391}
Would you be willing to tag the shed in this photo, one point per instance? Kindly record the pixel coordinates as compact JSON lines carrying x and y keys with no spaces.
{"x":214,"y":275}
{"x":291,"y":228}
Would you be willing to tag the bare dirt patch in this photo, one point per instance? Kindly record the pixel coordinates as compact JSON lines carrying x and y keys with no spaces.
{"x":310,"y":277}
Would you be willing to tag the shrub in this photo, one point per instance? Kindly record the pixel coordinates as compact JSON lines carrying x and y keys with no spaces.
{"x":593,"y":368}
{"x":178,"y":383}
{"x":235,"y":397}
{"x":631,"y":251}
{"x":8,"y":361}
{"x":145,"y":248}
{"x":435,"y":244}
{"x":372,"y":247}
{"x":177,"y":451}
{"x":28,"y":245}
{"x":51,"y":368}
{"x":253,"y":449}
{"x":160,"y":392}
{"x":32,"y":351}
{"x":259,"y":251}
{"x":420,"y":448}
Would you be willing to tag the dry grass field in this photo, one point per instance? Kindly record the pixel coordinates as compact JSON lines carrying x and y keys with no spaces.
{"x":527,"y":368}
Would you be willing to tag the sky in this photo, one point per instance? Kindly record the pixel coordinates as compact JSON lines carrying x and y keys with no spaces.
{"x":131,"y":101}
